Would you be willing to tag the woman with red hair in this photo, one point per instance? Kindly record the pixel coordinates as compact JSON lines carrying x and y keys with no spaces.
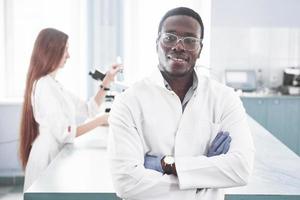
{"x":49,"y":111}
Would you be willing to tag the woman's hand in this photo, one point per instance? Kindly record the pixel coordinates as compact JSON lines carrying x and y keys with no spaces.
{"x":110,"y":75}
{"x":101,"y":120}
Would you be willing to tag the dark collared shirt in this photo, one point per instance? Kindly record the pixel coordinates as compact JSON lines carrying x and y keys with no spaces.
{"x":189,"y":93}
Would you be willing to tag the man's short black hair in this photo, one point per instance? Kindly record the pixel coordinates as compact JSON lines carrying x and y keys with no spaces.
{"x":183,"y":11}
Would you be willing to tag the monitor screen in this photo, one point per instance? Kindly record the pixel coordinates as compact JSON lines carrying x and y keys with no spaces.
{"x":244,"y":80}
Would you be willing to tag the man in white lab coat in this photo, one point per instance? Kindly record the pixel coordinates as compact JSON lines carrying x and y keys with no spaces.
{"x":170,"y":133}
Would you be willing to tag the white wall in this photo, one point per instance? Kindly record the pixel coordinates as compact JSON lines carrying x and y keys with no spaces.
{"x":21,"y":21}
{"x":103,"y":39}
{"x":2,"y":42}
{"x":255,"y":34}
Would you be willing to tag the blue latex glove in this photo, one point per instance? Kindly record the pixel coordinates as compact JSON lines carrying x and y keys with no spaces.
{"x":153,"y":162}
{"x":220,"y":144}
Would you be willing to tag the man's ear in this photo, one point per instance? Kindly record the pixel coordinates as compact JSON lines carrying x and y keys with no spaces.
{"x":201,"y":45}
{"x":156,"y":44}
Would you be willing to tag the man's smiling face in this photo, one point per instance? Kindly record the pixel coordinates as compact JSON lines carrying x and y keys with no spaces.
{"x":177,"y":61}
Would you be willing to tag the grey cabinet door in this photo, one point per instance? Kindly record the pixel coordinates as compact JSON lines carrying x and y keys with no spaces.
{"x":276,"y":117}
{"x":283,"y":121}
{"x":257,"y":109}
{"x":291,"y":124}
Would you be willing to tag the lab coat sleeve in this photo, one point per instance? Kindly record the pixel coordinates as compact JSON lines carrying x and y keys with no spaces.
{"x":50,"y":115}
{"x":226,"y":170}
{"x":85,"y":109}
{"x":126,"y":154}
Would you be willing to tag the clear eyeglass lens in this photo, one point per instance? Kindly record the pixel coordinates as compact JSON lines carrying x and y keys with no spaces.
{"x":170,"y":40}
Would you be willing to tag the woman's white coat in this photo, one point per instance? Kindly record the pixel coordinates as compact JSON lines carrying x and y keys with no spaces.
{"x":55,"y":110}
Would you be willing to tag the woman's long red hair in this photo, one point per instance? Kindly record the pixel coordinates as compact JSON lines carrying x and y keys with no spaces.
{"x":47,"y":53}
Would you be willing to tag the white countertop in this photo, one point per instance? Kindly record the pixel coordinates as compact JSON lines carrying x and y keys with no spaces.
{"x":266,"y":95}
{"x":276,"y":167}
{"x":81,"y":166}
{"x":81,"y":170}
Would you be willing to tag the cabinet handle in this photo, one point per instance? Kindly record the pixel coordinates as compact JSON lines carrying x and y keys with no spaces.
{"x":276,"y":102}
{"x":260,"y":102}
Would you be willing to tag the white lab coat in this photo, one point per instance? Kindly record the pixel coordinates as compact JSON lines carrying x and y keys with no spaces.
{"x":148,"y":119}
{"x":55,"y":111}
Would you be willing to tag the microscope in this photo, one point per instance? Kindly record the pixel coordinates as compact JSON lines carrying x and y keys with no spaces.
{"x":116,"y":87}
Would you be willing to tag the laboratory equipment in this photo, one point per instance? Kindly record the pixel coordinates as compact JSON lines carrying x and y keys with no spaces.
{"x":244,"y":80}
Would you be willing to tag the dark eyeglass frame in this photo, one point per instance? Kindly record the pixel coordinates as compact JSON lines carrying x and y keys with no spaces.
{"x":161,"y":36}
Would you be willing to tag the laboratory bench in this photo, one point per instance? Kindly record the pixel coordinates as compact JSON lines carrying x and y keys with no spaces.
{"x":81,"y":171}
